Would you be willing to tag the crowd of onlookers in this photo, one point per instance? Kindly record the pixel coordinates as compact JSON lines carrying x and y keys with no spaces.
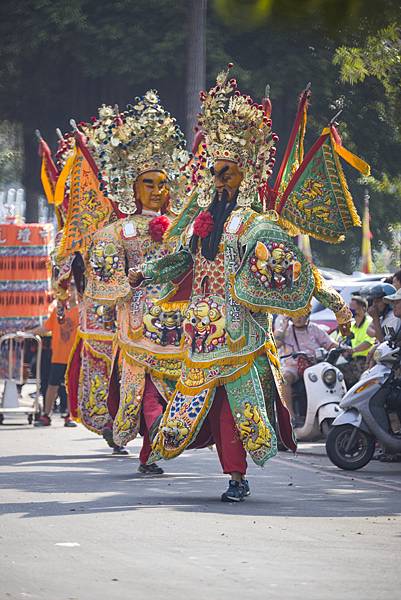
{"x":376,"y":311}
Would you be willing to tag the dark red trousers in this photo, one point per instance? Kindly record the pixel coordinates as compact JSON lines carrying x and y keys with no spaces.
{"x":219,"y":427}
{"x":152,"y":408}
{"x":225,"y":435}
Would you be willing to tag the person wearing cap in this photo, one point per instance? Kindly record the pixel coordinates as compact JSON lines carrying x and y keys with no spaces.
{"x":396,"y":280}
{"x":361,"y":341}
{"x":381,"y":312}
{"x":394,"y":300}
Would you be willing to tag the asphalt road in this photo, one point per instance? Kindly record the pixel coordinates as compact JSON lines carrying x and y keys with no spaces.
{"x":79,"y":524}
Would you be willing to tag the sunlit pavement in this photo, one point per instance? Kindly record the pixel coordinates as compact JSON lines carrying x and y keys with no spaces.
{"x":79,"y":524}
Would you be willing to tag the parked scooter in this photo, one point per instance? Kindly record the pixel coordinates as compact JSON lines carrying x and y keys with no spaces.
{"x":316,"y":397}
{"x":366,"y":409}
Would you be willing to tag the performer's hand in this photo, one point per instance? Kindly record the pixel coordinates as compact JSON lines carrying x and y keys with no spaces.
{"x":135,"y":278}
{"x":345,"y":328}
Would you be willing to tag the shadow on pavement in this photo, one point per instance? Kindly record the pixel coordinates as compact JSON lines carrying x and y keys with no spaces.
{"x":192,"y":483}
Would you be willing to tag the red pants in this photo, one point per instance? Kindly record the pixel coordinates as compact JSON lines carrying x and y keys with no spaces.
{"x":229,"y":447}
{"x":220,"y":421}
{"x":152,"y":408}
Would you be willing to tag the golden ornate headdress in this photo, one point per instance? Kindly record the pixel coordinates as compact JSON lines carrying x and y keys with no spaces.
{"x":143,"y":138}
{"x":96,"y":131}
{"x":237,"y":129}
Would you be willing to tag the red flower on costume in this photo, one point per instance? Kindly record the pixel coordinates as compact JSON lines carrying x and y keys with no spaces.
{"x":204,"y":224}
{"x":158,"y":227}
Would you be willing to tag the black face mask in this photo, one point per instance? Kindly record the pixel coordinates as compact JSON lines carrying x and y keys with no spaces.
{"x":220,"y":209}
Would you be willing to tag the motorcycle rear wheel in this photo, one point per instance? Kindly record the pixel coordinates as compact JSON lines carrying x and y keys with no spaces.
{"x":360,"y":453}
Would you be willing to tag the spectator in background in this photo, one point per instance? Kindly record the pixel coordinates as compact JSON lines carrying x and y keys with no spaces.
{"x":394,"y":280}
{"x":63,"y":331}
{"x":45,"y":364}
{"x":382,"y":313}
{"x":395,"y":301}
{"x":298,"y":335}
{"x":361,"y":341}
{"x":397,"y":280}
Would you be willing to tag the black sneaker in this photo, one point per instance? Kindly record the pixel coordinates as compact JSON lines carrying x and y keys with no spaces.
{"x":234,"y":493}
{"x":247,"y":489}
{"x":119,"y":451}
{"x":150,"y":469}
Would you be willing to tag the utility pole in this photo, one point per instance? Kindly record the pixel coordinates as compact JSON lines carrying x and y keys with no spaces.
{"x":196,"y":64}
{"x":366,"y":251}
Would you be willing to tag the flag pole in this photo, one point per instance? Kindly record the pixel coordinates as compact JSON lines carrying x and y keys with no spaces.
{"x":366,"y":250}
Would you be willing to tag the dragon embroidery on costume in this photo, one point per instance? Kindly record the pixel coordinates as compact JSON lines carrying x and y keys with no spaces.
{"x":253,"y":431}
{"x":97,"y":403}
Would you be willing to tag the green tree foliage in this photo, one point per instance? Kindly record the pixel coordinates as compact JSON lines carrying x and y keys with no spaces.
{"x":63,"y":59}
{"x":379,"y":58}
{"x":373,"y":64}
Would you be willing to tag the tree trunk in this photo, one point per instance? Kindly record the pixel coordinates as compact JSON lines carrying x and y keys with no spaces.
{"x":196,"y":63}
